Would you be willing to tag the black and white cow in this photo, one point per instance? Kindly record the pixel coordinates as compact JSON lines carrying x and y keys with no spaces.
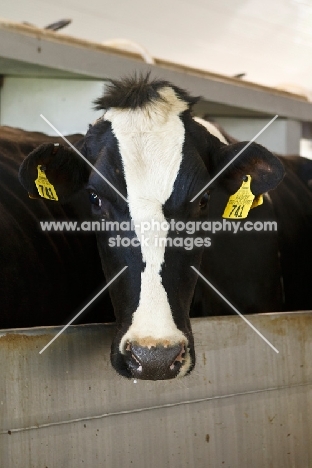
{"x":45,"y":277}
{"x":148,"y":146}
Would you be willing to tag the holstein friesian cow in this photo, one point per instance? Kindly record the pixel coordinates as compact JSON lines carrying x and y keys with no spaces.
{"x":45,"y":277}
{"x":257,"y":261}
{"x":148,"y":146}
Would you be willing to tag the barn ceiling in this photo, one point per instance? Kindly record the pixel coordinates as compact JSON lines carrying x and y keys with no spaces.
{"x":271,"y":42}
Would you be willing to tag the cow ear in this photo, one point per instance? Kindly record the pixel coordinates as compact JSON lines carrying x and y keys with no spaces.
{"x":64,"y":169}
{"x":265,"y":169}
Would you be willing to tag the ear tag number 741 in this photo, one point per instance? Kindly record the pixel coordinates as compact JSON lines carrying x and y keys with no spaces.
{"x":240,"y":202}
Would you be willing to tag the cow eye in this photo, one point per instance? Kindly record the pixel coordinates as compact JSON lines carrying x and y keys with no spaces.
{"x":204,"y":200}
{"x":95,"y":199}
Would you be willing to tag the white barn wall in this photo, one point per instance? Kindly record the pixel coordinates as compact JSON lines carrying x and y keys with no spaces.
{"x":67,"y":104}
{"x":306,"y":148}
{"x":282,"y":136}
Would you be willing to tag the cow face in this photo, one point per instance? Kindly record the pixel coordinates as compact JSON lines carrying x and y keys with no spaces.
{"x":158,"y":158}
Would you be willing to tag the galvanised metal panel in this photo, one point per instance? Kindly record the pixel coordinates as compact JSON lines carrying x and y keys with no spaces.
{"x":243,"y":406}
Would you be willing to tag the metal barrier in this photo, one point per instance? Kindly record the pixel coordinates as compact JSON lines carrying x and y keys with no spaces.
{"x":243,"y":405}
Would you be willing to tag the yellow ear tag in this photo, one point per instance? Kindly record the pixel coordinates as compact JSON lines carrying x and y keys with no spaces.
{"x":45,"y":188}
{"x":240,"y":202}
{"x":257,"y":201}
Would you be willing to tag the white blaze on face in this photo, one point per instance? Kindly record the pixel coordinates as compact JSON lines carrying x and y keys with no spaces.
{"x":150,"y":141}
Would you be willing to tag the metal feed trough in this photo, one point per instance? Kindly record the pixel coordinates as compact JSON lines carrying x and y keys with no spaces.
{"x":243,"y":406}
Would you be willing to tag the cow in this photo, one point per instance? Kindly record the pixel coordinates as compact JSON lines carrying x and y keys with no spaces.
{"x":291,"y":205}
{"x":45,"y":277}
{"x":155,"y":159}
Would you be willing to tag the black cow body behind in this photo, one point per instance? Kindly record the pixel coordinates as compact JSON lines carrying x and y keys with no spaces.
{"x":292,"y":203}
{"x":264,"y":271}
{"x":148,"y":147}
{"x":45,"y":278}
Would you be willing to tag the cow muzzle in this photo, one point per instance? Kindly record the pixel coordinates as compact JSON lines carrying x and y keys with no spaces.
{"x":156,"y":362}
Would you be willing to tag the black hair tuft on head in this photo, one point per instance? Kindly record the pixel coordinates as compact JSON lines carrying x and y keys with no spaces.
{"x":137,"y":91}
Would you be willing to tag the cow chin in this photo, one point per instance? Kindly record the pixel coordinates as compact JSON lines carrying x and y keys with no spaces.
{"x":145,"y":358}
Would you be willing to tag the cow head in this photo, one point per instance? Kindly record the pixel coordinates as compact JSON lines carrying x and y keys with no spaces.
{"x":148,"y":147}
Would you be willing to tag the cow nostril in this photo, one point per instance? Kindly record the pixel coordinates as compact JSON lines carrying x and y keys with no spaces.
{"x":132,"y":360}
{"x":139,"y":368}
{"x":178,"y":362}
